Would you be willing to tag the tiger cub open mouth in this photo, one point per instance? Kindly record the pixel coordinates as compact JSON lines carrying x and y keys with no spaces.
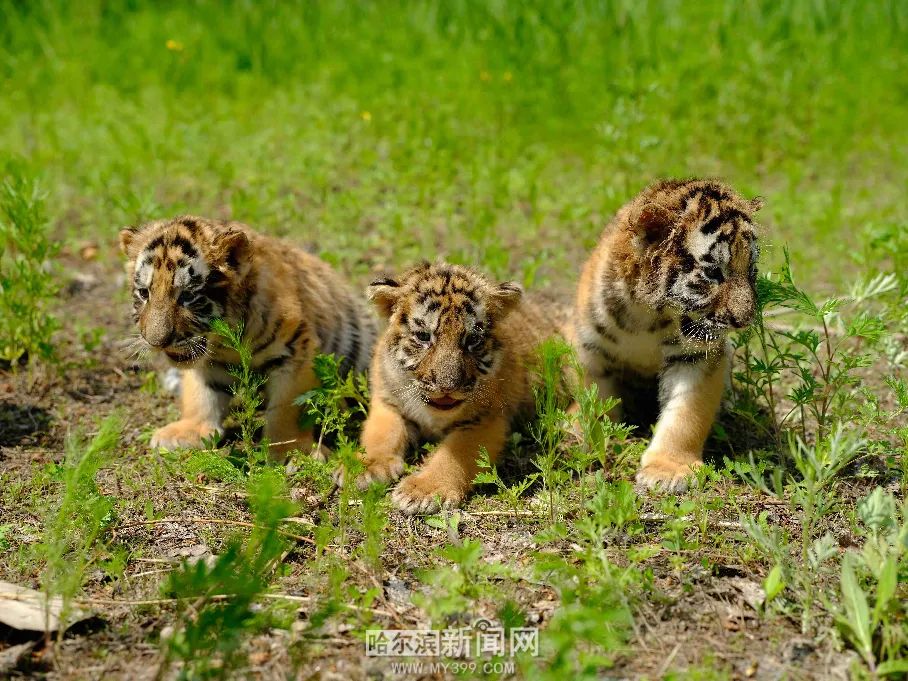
{"x":444,"y":403}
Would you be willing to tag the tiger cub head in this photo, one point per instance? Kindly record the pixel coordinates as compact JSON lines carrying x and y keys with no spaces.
{"x":696,"y":247}
{"x":186,"y":272}
{"x":443,"y":339}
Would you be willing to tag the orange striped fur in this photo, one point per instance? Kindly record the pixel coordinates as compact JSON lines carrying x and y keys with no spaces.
{"x":188,"y":271}
{"x":673,"y":272}
{"x":453,"y":367}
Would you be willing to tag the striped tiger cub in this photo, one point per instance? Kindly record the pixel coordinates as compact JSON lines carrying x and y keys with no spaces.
{"x":452,"y":367}
{"x":188,"y":271}
{"x":673,"y":272}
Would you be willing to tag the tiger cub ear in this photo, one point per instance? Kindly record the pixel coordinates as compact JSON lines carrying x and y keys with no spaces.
{"x":652,"y":222}
{"x":504,"y":297}
{"x":756,"y":204}
{"x":384,"y":293}
{"x":232,"y":248}
{"x":127,"y":236}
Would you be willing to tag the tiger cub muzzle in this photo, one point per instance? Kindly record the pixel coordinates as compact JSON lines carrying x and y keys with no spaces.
{"x":445,"y":377}
{"x":732,"y":307}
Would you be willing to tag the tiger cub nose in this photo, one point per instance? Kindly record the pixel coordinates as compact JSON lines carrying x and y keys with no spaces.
{"x":160,"y":339}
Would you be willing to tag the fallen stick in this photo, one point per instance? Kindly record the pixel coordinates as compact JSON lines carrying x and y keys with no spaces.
{"x":214,"y":521}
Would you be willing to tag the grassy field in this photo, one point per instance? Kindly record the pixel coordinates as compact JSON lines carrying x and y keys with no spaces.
{"x":501,"y":135}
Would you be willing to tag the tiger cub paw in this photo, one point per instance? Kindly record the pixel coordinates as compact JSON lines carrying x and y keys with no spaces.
{"x":182,"y":434}
{"x":424,"y":492}
{"x":386,"y":469}
{"x":667,"y":473}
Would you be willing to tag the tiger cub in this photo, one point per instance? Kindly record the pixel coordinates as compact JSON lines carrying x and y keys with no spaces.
{"x":189,"y":271}
{"x":673,"y":271}
{"x":453,"y":367}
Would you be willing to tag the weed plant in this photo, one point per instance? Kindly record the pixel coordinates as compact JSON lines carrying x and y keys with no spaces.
{"x":75,"y":533}
{"x":247,"y":390}
{"x":28,"y":283}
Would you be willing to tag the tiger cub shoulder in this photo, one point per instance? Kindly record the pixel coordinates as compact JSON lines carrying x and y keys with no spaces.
{"x":453,"y":367}
{"x":188,"y":271}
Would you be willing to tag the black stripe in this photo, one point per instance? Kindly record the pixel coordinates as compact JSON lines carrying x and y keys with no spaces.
{"x":269,"y":339}
{"x":602,"y":352}
{"x":217,"y":386}
{"x":217,"y":288}
{"x":617,"y":310}
{"x":272,"y":364}
{"x":463,"y":423}
{"x":468,"y":293}
{"x":713,"y":224}
{"x":701,"y":288}
{"x":710,"y":191}
{"x":155,"y":243}
{"x":201,"y":308}
{"x":184,"y":245}
{"x":190,"y":223}
{"x":605,"y":333}
{"x":295,"y":336}
{"x":673,"y":274}
{"x":660,"y":324}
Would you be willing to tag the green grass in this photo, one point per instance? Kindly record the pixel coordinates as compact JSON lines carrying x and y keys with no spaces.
{"x":481,"y":131}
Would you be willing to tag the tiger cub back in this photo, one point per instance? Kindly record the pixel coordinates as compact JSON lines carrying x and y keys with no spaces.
{"x":673,"y":272}
{"x":189,"y":271}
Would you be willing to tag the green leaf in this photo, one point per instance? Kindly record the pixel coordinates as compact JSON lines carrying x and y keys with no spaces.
{"x":774,"y":583}
{"x":857,"y":611}
{"x":892,"y":667}
{"x":437,"y":522}
{"x":885,"y":588}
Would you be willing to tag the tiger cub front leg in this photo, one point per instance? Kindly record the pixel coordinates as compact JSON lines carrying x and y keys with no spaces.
{"x":282,"y":416}
{"x":385,"y":440}
{"x":202,"y":414}
{"x":447,"y":475}
{"x":690,"y":395}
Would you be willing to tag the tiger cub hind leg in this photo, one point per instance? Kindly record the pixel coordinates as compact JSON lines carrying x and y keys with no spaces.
{"x":446,"y":477}
{"x":203,"y":408}
{"x":282,"y":416}
{"x":690,"y":395}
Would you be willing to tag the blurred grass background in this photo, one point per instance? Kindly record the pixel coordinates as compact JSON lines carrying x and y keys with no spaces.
{"x":494,"y":133}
